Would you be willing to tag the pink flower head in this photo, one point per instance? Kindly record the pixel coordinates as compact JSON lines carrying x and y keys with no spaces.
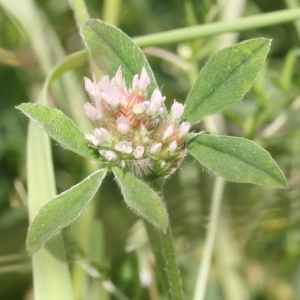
{"x":155,"y":141}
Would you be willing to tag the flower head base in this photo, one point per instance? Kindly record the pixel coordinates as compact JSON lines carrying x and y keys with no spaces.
{"x":133,"y":131}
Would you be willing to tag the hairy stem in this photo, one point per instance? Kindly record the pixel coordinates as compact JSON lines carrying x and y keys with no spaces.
{"x":162,"y":245}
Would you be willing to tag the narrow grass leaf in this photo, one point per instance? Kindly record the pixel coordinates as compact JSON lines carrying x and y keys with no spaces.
{"x":62,"y":211}
{"x":142,"y":199}
{"x":61,"y":128}
{"x":237,"y":159}
{"x":225,"y":79}
{"x":110,"y":48}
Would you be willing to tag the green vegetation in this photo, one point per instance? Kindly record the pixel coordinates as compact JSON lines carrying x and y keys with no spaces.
{"x":231,"y":240}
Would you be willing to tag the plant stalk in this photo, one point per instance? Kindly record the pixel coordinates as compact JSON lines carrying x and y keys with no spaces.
{"x":207,"y":30}
{"x":162,"y":246}
{"x":80,"y":11}
{"x":209,"y":242}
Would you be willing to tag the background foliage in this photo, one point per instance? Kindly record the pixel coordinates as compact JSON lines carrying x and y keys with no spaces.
{"x":259,"y":229}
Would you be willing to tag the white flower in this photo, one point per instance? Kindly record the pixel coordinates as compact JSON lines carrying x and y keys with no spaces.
{"x":142,"y":83}
{"x":103,"y":136}
{"x":184,"y":128}
{"x":173,"y":146}
{"x":124,"y":147}
{"x":108,"y":154}
{"x":91,"y":87}
{"x":92,"y":139}
{"x":176,"y":110}
{"x":123,"y":125}
{"x":138,"y":152}
{"x":168,"y":132}
{"x":140,"y":107}
{"x":118,"y":79}
{"x":95,"y":114}
{"x":155,"y":102}
{"x":155,"y":148}
{"x":104,"y":83}
{"x":112,"y":96}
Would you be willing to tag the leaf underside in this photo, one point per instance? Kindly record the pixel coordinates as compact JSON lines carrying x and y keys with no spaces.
{"x":237,"y":159}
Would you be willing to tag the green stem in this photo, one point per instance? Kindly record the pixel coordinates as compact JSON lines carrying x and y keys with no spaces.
{"x":111,"y":11}
{"x":80,"y":11}
{"x":210,"y":239}
{"x":162,"y":245}
{"x":206,"y":30}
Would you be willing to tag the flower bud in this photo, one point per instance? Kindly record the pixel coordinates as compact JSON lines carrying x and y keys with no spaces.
{"x":142,"y":83}
{"x":92,"y":139}
{"x":124,"y":147}
{"x":108,"y":154}
{"x":155,"y":103}
{"x":168,"y":132}
{"x":176,"y":110}
{"x":140,"y":108}
{"x":138,"y":152}
{"x":155,"y":148}
{"x":91,"y":87}
{"x":173,"y":146}
{"x":94,"y":114}
{"x":104,"y":83}
{"x":103,"y":136}
{"x":112,"y":96}
{"x":123,"y":125}
{"x":184,"y":128}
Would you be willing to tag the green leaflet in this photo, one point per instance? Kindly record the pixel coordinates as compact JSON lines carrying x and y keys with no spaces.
{"x":60,"y":128}
{"x":225,"y":79}
{"x":110,"y":48}
{"x":237,"y":159}
{"x":142,"y":199}
{"x":62,"y":211}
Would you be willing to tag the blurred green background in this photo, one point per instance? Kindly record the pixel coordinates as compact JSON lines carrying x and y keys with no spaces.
{"x":257,"y":252}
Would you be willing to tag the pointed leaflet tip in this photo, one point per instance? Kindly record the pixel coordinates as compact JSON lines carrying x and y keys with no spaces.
{"x":237,"y":159}
{"x":62,"y":210}
{"x":225,"y":79}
